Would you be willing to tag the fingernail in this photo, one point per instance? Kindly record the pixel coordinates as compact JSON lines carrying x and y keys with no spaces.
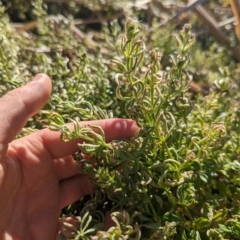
{"x":38,"y":77}
{"x":135,"y":127}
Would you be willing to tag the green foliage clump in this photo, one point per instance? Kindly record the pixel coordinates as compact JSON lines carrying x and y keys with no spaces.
{"x":179,"y":178}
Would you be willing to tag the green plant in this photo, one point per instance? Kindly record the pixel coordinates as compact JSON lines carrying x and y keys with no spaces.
{"x":166,"y":176}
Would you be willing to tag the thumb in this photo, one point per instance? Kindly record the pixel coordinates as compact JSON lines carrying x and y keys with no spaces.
{"x":18,"y":105}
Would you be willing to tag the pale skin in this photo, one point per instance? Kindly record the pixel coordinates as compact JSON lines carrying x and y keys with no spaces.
{"x":38,"y":175}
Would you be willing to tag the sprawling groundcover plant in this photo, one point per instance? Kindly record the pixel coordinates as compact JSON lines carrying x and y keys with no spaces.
{"x":179,"y":177}
{"x":175,"y":179}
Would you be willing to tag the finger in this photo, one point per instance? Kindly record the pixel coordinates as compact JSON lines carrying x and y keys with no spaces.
{"x":115,"y":129}
{"x":18,"y":105}
{"x":66,"y":167}
{"x":72,"y":189}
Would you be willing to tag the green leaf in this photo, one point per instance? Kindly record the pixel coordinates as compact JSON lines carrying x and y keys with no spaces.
{"x":152,"y":225}
{"x":193,"y":164}
{"x":203,"y":177}
{"x":224,"y":229}
{"x":171,"y":217}
{"x":201,"y":222}
{"x":220,"y":215}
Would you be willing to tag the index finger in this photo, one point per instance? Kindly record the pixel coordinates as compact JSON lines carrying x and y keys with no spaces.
{"x":115,"y":129}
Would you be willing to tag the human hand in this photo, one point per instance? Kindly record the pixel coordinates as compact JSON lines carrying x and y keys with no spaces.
{"x":38,"y":175}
